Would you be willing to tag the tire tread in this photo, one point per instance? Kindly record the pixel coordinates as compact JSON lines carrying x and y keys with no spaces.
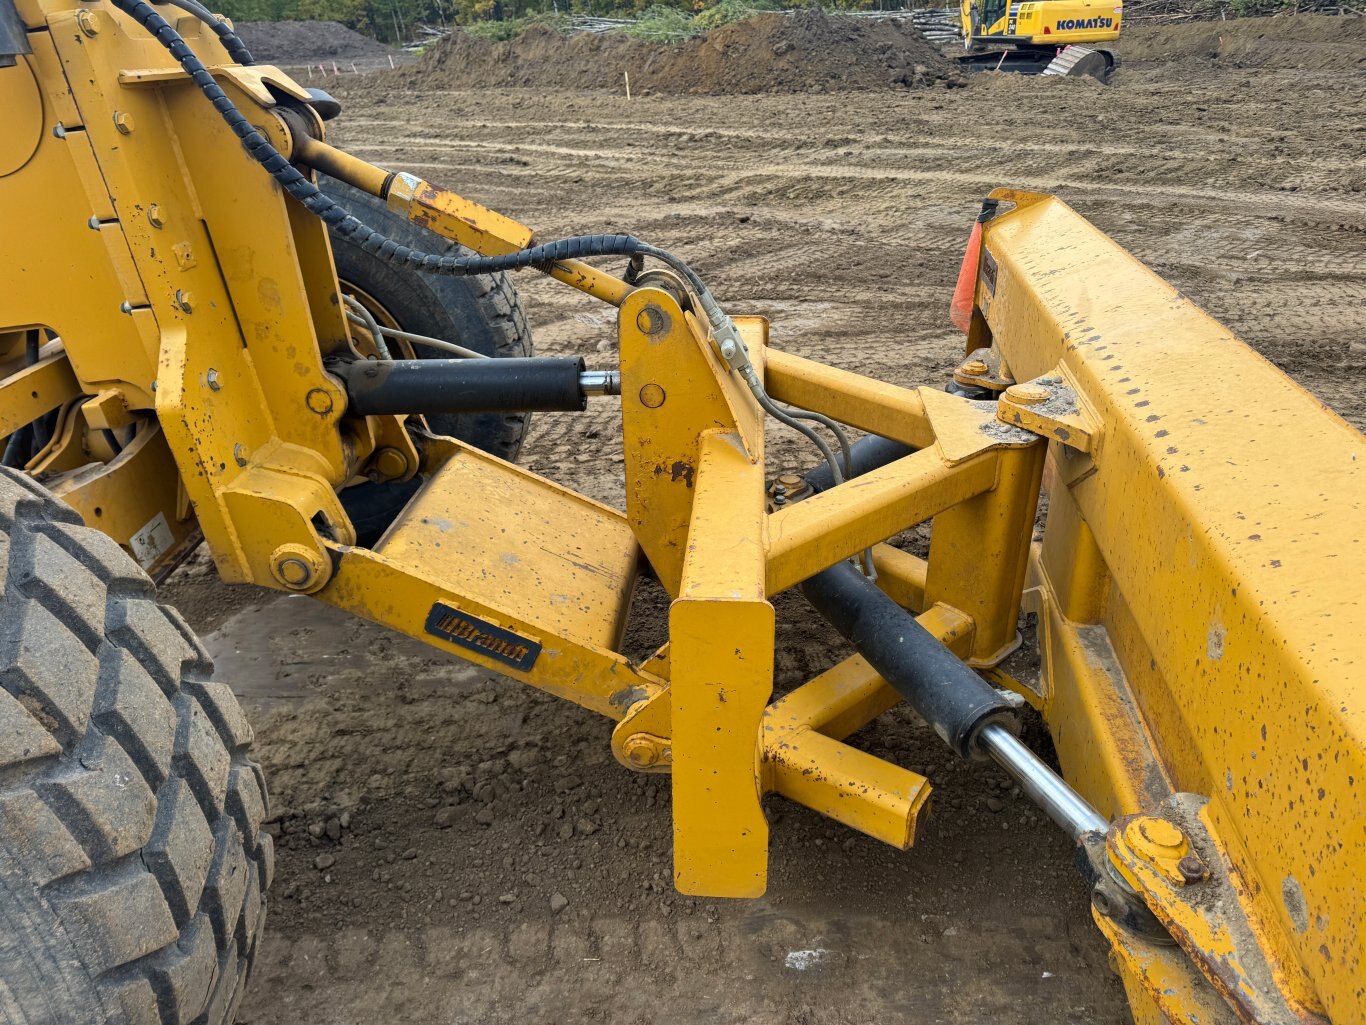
{"x":129,"y":807}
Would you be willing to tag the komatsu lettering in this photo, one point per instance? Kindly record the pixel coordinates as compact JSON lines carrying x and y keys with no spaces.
{"x":1067,"y":24}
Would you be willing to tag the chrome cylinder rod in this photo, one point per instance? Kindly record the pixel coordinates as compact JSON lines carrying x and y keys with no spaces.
{"x":1044,"y":787}
{"x":600,"y":382}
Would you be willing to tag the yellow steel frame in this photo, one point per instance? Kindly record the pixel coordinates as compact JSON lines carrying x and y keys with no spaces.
{"x":1189,"y":647}
{"x":1197,"y":589}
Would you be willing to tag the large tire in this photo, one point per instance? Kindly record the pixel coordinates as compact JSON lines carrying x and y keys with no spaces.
{"x":133,"y":869}
{"x":482,"y":312}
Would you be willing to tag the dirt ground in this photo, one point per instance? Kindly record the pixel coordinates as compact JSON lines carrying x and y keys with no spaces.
{"x":285,"y":41}
{"x":768,"y":53}
{"x":456,"y":848}
{"x":292,"y":44}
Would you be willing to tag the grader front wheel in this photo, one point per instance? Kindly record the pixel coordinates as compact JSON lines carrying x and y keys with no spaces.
{"x":133,"y":868}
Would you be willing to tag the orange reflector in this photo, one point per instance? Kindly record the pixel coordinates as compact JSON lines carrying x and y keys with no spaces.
{"x":960,"y":312}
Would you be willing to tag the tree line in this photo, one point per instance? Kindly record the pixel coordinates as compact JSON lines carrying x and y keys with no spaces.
{"x":397,"y":20}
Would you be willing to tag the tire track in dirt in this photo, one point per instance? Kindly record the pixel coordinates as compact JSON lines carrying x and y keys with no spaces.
{"x":797,"y":178}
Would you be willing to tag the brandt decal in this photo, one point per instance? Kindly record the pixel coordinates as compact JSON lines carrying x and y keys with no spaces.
{"x":482,"y":637}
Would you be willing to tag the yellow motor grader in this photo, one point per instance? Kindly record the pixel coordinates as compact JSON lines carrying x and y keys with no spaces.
{"x":216,"y":328}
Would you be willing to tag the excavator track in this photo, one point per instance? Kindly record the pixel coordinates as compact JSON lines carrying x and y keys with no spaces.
{"x":1079,"y":61}
{"x":1073,"y":61}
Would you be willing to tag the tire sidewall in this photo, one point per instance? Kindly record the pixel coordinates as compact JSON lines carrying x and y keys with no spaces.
{"x":455,"y":309}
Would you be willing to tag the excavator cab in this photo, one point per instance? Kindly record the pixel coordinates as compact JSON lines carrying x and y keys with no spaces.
{"x":979,"y":18}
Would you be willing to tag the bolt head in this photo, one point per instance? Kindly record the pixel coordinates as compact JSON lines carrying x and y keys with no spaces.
{"x":974,"y":368}
{"x":652,"y":320}
{"x":212,"y":380}
{"x":1161,"y":833}
{"x":154,"y":216}
{"x":239,"y":454}
{"x":298,"y":568}
{"x":390,"y":462}
{"x":185,"y":300}
{"x":294,"y":572}
{"x":123,"y":122}
{"x":641,"y":751}
{"x":87,"y":23}
{"x":1192,"y":869}
{"x":1027,"y":394}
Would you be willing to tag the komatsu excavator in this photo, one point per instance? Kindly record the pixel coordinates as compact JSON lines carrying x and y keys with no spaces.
{"x":1048,"y":37}
{"x":218,"y":329}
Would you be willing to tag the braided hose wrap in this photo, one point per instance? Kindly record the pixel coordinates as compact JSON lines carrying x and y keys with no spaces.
{"x":335,"y":216}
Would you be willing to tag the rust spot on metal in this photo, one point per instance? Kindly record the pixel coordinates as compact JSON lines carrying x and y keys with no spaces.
{"x":628,"y":696}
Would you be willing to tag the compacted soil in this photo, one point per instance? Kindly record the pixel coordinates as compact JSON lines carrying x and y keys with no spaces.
{"x":768,"y":53}
{"x":454,"y":847}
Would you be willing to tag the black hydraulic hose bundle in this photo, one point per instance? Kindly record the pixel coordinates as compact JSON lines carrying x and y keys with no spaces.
{"x":341,"y":222}
{"x":542,"y":257}
{"x":237,"y":49}
{"x":19,"y":448}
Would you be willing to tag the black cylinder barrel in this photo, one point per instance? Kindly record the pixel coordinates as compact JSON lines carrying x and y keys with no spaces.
{"x":865,"y":454}
{"x":530,"y":385}
{"x":943,"y":691}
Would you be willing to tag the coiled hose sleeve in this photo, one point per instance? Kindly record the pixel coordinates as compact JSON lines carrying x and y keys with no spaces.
{"x":347,"y":226}
{"x":237,"y":49}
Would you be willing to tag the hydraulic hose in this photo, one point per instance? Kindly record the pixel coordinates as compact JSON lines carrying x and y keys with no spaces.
{"x":344,"y":224}
{"x":866,"y":454}
{"x":541,"y":257}
{"x":231,"y":41}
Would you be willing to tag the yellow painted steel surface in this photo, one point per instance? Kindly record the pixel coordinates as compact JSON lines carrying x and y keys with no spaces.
{"x":721,"y":657}
{"x":27,"y":392}
{"x":1207,"y":565}
{"x":498,"y":537}
{"x":671,"y":381}
{"x":1198,"y":590}
{"x":1043,"y":22}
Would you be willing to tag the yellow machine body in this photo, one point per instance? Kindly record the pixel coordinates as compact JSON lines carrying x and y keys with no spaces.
{"x":1198,"y":589}
{"x":1041,"y":22}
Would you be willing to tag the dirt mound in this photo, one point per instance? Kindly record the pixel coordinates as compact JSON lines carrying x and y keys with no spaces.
{"x":806,"y":52}
{"x":1317,"y":42}
{"x":293,"y":42}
